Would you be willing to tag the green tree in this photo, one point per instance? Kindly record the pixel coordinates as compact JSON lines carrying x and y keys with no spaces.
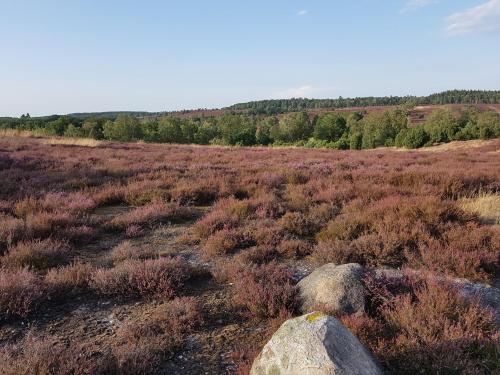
{"x":206,"y":132}
{"x":149,"y":130}
{"x":356,"y":141}
{"x":125,"y":128}
{"x":58,"y":126}
{"x":92,"y":128}
{"x":263,"y":130}
{"x":189,"y":128}
{"x":488,"y":123}
{"x":169,"y":130}
{"x":441,"y":126}
{"x":330,"y":127}
{"x":381,"y":129}
{"x":74,"y":131}
{"x":237,"y":130}
{"x":292,"y":127}
{"x":412,"y":137}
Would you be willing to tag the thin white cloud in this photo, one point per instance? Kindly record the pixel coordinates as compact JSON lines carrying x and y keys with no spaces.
{"x":481,"y":18}
{"x":296,"y":92}
{"x":301,"y":13}
{"x":416,"y":4}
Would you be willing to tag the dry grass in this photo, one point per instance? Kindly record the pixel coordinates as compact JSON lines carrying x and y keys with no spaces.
{"x":83,"y":142}
{"x":456,"y":145}
{"x":445,"y":147}
{"x":486,"y":206}
{"x":16,"y":133}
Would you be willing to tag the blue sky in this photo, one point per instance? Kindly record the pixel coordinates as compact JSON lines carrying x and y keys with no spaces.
{"x":89,"y":55}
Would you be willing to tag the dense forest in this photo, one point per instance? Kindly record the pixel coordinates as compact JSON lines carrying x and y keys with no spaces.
{"x":356,"y":130}
{"x":272,"y":107}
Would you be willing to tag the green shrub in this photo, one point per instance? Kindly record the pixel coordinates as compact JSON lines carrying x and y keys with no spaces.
{"x":412,"y":137}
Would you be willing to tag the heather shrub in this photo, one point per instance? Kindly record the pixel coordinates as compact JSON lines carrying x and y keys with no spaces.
{"x":241,"y":209}
{"x":370,"y":331}
{"x":6,"y":207}
{"x":419,"y":325}
{"x":268,"y":206}
{"x":127,"y":250}
{"x":224,"y":242}
{"x":266,"y":180}
{"x":294,"y":248}
{"x":295,"y":176}
{"x":397,"y":231}
{"x":153,"y":278}
{"x":474,"y":264}
{"x":198,"y":192}
{"x":142,"y":345}
{"x":109,"y":194}
{"x":321,"y":214}
{"x":39,"y":254}
{"x":486,"y":238}
{"x":29,"y":205}
{"x":244,"y":354}
{"x":11,"y":230}
{"x":214,"y":221}
{"x":335,"y":251}
{"x":474,"y":256}
{"x":265,"y":290}
{"x":267,"y":233}
{"x":386,"y":249}
{"x":151,"y":214}
{"x":260,"y":254}
{"x":297,"y":197}
{"x":343,"y":227}
{"x":298,"y":223}
{"x":133,"y":231}
{"x":68,"y":279}
{"x":39,"y":355}
{"x":75,"y":202}
{"x":44,"y":224}
{"x":334,"y":194}
{"x":20,"y":292}
{"x":138,"y":193}
{"x":438,"y":330}
{"x":80,"y":234}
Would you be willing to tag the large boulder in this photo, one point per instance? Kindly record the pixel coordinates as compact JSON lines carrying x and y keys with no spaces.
{"x":314,"y":344}
{"x":334,"y":289}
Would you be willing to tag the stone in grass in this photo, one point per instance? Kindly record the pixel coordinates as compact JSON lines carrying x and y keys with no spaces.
{"x":334,"y":289}
{"x":314,"y":344}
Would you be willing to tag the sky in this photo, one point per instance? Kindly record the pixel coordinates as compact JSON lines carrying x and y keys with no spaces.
{"x":106,"y":55}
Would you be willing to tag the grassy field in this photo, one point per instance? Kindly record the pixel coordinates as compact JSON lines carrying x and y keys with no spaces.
{"x":144,"y":258}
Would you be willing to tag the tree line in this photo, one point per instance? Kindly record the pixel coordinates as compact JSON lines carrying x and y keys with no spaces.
{"x":356,"y":130}
{"x":273,"y":107}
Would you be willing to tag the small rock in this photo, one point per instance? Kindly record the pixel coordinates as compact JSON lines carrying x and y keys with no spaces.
{"x":337,"y":289}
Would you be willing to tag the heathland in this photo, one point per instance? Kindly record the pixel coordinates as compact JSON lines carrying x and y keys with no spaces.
{"x":134,"y":258}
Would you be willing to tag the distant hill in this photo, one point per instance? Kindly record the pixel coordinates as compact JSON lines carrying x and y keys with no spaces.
{"x":111,"y":115}
{"x":280,"y":106}
{"x":272,"y":107}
